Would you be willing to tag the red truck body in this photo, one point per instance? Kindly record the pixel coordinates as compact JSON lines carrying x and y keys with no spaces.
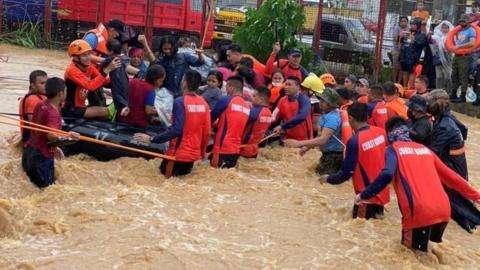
{"x":177,"y":17}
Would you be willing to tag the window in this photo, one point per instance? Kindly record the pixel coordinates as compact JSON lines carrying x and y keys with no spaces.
{"x":196,"y":5}
{"x":177,"y":2}
{"x":331,"y":32}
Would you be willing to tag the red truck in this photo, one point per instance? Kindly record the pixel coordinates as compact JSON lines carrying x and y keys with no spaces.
{"x":156,"y":17}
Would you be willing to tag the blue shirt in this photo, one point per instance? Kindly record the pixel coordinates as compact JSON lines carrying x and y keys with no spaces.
{"x":332,"y":121}
{"x":465,"y":35}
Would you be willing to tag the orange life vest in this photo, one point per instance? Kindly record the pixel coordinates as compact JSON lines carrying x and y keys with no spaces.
{"x":102,"y":37}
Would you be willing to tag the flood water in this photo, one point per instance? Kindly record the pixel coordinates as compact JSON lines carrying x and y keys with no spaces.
{"x":269,"y":213}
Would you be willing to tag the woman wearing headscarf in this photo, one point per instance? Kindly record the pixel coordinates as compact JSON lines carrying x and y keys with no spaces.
{"x":412,"y":45}
{"x":448,"y":142}
{"x":442,"y":58}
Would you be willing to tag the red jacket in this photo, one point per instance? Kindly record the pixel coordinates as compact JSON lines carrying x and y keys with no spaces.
{"x":232,"y":120}
{"x":259,"y":120}
{"x":79,"y":83}
{"x":192,"y":144}
{"x":137,"y":94}
{"x":295,"y":112}
{"x":378,"y":116}
{"x":287,"y":71}
{"x":418,"y":184}
{"x":371,"y":153}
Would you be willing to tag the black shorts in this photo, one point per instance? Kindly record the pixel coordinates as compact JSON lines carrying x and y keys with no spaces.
{"x":367,"y":211}
{"x":97,"y":98}
{"x":75,"y":112}
{"x":417,"y":238}
{"x":171,"y":168}
{"x":224,"y":161}
{"x":39,"y":169}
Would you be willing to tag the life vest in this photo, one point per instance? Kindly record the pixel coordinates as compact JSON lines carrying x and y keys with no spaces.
{"x":102,"y":37}
{"x":196,"y":131}
{"x":363,"y":99}
{"x":23,"y":114}
{"x":379,"y":115}
{"x":421,"y":197}
{"x":289,"y":109}
{"x":79,"y":83}
{"x":231,"y":125}
{"x":347,"y":130}
{"x":397,"y":107}
{"x":275,"y":93}
{"x":254,"y":133}
{"x":372,"y":142}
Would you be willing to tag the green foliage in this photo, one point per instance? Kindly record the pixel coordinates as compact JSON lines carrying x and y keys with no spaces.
{"x":256,"y":35}
{"x":28,"y":34}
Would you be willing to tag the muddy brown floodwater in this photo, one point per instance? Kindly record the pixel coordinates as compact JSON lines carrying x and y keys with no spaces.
{"x":269,"y":213}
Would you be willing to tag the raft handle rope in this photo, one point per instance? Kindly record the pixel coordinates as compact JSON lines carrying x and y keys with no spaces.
{"x":58,"y":132}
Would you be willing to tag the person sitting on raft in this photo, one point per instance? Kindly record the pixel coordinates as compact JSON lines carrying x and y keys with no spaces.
{"x":363,"y":162}
{"x":141,"y":97}
{"x":81,"y":78}
{"x":232,"y":112}
{"x":118,"y":79}
{"x":294,"y":110}
{"x":330,"y":135}
{"x":417,"y":175}
{"x":259,"y":121}
{"x":38,"y":154}
{"x":35,"y":95}
{"x":190,"y":130}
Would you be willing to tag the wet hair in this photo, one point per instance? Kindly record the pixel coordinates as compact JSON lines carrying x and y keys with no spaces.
{"x":295,"y":79}
{"x":54,"y":86}
{"x":394,"y":122}
{"x":245,"y":61}
{"x":344,"y":93}
{"x":154,"y":72}
{"x":246,"y":73}
{"x":193,"y":80}
{"x":376,"y":91}
{"x":35,"y":74}
{"x":114,"y":46}
{"x":235,"y":48}
{"x":166,"y":40}
{"x":236,"y":82}
{"x":217,"y":75}
{"x":423,"y":79}
{"x":389,"y":88}
{"x":264,"y":93}
{"x":358,"y":111}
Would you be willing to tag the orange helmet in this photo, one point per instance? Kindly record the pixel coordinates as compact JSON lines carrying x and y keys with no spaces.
{"x":78,"y":47}
{"x":328,"y":78}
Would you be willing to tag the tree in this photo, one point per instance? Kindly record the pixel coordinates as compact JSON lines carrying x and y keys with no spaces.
{"x":257,"y":35}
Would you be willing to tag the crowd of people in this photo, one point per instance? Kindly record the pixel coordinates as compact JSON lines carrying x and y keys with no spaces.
{"x":418,"y":50}
{"x":365,"y":132}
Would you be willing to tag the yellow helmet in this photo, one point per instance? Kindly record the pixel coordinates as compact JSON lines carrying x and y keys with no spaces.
{"x":313,"y":83}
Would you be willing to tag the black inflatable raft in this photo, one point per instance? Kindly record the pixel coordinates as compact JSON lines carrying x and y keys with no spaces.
{"x":115,"y":133}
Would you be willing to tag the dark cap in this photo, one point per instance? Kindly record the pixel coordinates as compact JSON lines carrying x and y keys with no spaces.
{"x":117,"y":25}
{"x":344,"y":93}
{"x":295,"y":51}
{"x":352,"y":78}
{"x":417,"y":103}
